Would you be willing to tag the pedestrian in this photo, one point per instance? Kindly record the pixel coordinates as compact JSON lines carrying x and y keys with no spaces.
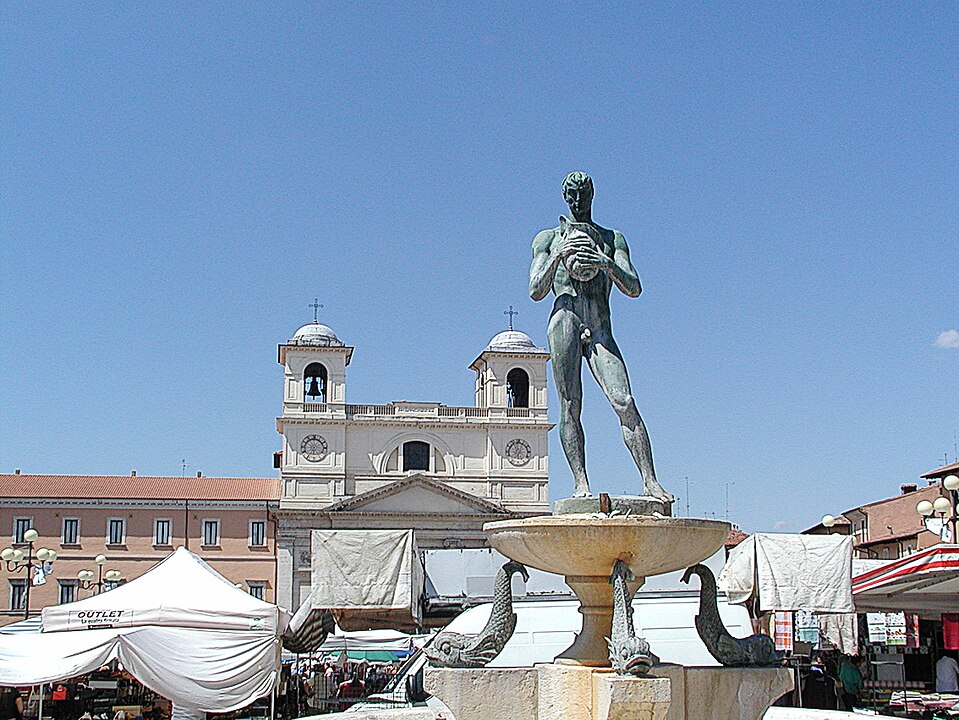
{"x":11,"y":704}
{"x":947,"y":673}
{"x":851,"y":678}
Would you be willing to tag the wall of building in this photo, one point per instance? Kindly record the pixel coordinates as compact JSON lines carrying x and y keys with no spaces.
{"x":233,"y":556}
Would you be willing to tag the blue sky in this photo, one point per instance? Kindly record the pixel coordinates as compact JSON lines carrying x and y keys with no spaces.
{"x":178,"y":183}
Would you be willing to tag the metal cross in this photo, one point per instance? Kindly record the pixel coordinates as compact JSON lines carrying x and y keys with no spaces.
{"x":316,"y":305}
{"x":511,"y":312}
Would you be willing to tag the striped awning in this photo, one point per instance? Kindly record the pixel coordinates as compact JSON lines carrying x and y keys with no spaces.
{"x":308,"y":629}
{"x":926,"y":582}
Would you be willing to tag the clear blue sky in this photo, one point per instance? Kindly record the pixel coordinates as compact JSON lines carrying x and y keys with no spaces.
{"x":179,"y":182}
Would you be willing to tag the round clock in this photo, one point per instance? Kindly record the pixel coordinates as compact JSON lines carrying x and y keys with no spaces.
{"x":313,"y":448}
{"x":518,"y":451}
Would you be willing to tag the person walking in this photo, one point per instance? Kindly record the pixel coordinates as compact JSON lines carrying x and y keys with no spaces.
{"x":947,"y":674}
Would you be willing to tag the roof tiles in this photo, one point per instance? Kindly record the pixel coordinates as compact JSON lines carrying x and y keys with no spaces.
{"x":138,"y":487}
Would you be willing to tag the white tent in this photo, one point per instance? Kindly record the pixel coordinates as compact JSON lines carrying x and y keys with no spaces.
{"x":182,"y":630}
{"x":367,"y":640}
{"x":791,"y":572}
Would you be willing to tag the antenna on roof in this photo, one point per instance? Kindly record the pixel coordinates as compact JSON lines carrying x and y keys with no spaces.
{"x":183,"y":468}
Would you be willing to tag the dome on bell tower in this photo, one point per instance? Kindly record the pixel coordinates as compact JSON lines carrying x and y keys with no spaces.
{"x":315,"y":333}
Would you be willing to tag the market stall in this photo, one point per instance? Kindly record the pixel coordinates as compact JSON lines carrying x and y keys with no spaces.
{"x":182,"y":630}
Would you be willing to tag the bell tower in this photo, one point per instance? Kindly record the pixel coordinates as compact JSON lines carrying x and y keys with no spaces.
{"x":511,"y":373}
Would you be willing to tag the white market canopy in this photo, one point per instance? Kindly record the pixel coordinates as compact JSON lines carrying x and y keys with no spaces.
{"x":791,"y":572}
{"x":182,"y":629}
{"x":926,"y":582}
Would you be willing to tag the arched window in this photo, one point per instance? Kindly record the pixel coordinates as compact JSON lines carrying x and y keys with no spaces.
{"x":517,"y":388}
{"x":314,"y":383}
{"x":416,"y":455}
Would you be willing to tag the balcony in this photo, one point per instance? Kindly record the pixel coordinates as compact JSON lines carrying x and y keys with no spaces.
{"x":425,"y":411}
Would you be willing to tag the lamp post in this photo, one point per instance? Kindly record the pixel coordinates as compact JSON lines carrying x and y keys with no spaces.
{"x":828,"y":521}
{"x":85,"y":577}
{"x":16,"y":562}
{"x":943,"y":506}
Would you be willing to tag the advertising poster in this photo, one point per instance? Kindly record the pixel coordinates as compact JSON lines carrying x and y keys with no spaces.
{"x":895,"y":628}
{"x":876,"y":627}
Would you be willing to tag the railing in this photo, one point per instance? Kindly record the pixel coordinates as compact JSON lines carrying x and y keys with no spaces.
{"x":426,"y":410}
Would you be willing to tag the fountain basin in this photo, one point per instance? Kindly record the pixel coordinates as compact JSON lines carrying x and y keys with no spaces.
{"x":584,"y":548}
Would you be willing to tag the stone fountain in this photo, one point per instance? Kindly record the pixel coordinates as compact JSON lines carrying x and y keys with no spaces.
{"x":586,"y":537}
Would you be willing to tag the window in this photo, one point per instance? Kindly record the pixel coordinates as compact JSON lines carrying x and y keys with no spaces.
{"x":20,"y":526}
{"x":416,"y":455}
{"x":314,"y":383}
{"x":70,"y":532}
{"x":257,"y":533}
{"x":18,"y":594}
{"x":161,"y":531}
{"x":211,"y":533}
{"x":116,"y":531}
{"x":68,"y":591}
{"x":517,"y":388}
{"x":257,"y":588}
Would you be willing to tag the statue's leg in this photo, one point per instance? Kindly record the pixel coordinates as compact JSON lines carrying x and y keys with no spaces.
{"x":567,"y":359}
{"x":606,"y":363}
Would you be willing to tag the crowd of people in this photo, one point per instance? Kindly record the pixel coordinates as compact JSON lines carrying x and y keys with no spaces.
{"x":321,"y":686}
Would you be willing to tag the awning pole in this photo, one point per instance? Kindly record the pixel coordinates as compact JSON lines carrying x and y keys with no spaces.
{"x":40,"y":710}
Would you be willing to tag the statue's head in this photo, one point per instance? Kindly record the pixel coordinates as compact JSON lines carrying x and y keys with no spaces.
{"x":578,"y":193}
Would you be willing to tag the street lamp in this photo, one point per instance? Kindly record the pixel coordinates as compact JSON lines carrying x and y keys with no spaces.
{"x":15,"y":562}
{"x":85,"y":577}
{"x":828,"y":521}
{"x":944,"y":506}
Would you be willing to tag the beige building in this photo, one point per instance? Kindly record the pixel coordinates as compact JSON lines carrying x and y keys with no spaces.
{"x":892,"y":528}
{"x":438,"y":469}
{"x":135,"y":522}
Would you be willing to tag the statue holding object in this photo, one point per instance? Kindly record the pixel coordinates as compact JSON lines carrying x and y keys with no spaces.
{"x":581,"y":262}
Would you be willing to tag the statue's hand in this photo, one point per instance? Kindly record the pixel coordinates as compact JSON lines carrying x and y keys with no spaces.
{"x":592,"y":257}
{"x":573,"y":244}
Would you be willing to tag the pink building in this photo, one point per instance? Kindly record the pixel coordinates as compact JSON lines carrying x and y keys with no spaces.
{"x":135,"y":522}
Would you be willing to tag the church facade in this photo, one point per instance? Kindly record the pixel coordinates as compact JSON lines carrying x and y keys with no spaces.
{"x":440,"y":470}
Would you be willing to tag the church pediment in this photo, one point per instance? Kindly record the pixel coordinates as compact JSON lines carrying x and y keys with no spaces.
{"x":418,"y":494}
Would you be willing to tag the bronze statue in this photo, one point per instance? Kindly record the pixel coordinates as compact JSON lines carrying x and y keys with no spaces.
{"x":580,"y":262}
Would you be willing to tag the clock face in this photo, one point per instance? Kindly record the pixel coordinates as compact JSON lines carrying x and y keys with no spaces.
{"x":313,"y":448}
{"x":518,"y":451}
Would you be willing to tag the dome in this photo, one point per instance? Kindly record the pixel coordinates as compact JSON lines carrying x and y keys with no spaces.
{"x":316,"y":334}
{"x":513,"y":341}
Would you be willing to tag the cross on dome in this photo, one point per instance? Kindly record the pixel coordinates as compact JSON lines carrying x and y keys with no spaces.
{"x":511,"y":312}
{"x":316,"y":305}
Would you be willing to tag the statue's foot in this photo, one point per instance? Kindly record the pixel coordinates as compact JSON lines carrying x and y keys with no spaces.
{"x":652,"y":488}
{"x":581,"y":488}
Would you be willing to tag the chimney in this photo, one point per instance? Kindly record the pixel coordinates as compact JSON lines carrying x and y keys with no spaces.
{"x":907,"y":488}
{"x":199,"y":474}
{"x":133,"y":473}
{"x":17,"y":471}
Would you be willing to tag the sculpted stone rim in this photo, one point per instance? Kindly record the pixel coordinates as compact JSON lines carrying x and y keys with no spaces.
{"x":591,"y":521}
{"x":588,"y":546}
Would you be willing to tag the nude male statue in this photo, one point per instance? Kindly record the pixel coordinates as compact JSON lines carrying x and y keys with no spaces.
{"x":580,"y":262}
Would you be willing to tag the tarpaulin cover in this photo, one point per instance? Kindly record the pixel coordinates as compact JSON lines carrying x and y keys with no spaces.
{"x":367,"y":578}
{"x":199,"y":667}
{"x":791,"y":572}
